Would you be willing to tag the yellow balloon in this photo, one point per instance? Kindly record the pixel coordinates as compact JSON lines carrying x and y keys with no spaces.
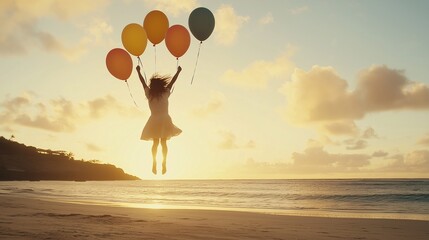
{"x":134,"y":39}
{"x":156,"y":26}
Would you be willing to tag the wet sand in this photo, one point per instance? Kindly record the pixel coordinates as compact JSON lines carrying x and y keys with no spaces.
{"x":29,"y":218}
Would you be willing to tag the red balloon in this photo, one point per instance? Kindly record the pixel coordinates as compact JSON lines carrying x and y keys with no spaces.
{"x":119,"y":63}
{"x":177,"y":40}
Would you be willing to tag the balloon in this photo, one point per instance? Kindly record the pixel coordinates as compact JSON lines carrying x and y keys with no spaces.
{"x":201,"y":23}
{"x":177,"y":40}
{"x":119,"y":63}
{"x":156,"y":26}
{"x":134,"y":39}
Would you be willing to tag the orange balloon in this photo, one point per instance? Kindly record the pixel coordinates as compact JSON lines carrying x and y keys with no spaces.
{"x":119,"y":63}
{"x":156,"y":25}
{"x":177,"y":40}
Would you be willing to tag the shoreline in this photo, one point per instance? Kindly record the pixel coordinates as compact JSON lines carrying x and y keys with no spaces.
{"x":30,"y":218}
{"x":280,"y":212}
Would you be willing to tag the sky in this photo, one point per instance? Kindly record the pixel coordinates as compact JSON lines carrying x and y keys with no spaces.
{"x":282,"y":89}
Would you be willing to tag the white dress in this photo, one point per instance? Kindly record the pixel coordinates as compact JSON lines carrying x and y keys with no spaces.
{"x":159,"y":124}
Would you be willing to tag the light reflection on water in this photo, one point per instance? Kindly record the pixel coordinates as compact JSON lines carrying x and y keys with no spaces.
{"x":342,"y":198}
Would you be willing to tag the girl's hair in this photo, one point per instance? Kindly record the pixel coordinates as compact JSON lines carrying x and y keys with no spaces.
{"x":158,"y":85}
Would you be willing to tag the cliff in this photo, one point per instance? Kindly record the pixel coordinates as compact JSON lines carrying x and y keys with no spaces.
{"x":21,"y":162}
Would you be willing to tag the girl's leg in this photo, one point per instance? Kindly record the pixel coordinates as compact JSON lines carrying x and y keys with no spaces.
{"x":164,"y":154}
{"x":154,"y":151}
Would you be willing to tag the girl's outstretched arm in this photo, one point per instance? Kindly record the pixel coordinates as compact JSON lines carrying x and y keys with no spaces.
{"x":142,"y":80}
{"x":173,"y":80}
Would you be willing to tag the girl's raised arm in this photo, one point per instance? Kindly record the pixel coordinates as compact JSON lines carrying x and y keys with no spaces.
{"x":142,"y":80}
{"x":173,"y":80}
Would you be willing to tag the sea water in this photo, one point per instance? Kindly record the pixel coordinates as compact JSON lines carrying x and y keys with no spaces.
{"x":369,"y":198}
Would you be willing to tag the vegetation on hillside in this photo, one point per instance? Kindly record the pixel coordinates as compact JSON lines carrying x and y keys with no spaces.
{"x":21,"y":162}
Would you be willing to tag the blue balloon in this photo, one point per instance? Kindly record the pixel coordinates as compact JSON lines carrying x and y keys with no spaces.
{"x":201,"y":23}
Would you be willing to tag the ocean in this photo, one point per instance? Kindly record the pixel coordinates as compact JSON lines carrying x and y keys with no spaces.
{"x":364,"y":198}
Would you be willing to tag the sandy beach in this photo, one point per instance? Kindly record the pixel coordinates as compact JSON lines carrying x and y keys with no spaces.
{"x":29,"y":218}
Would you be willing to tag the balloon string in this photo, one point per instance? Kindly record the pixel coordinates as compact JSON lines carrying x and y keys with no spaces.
{"x":196,"y":62}
{"x":141,"y":65}
{"x":129,"y":90}
{"x":154,"y":47}
{"x":177,"y":65}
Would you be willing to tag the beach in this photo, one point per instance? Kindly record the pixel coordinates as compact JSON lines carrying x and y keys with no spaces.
{"x":32,"y":218}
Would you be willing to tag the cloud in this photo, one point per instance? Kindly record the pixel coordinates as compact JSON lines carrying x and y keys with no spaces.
{"x":347,"y":128}
{"x":16,"y":103}
{"x":415,"y":161}
{"x":369,"y":133}
{"x":7,"y":129}
{"x":101,"y":106}
{"x":214,"y":105}
{"x":228,"y":23}
{"x":229,"y":142}
{"x":259,"y":73}
{"x":57,"y":115}
{"x":313,"y":161}
{"x":417,"y":158}
{"x":424,"y":140}
{"x":93,"y":147}
{"x":95,"y":34}
{"x":318,"y":158}
{"x":380,"y":153}
{"x":299,"y":10}
{"x":173,"y":7}
{"x":17,"y":111}
{"x":321,"y":97}
{"x":59,"y":118}
{"x":337,"y":128}
{"x":355,"y":144}
{"x":381,"y":88}
{"x":96,"y":30}
{"x":267,"y":19}
{"x":322,"y":140}
{"x":316,"y":161}
{"x":20,"y":30}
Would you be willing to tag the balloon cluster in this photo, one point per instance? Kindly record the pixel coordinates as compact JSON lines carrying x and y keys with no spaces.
{"x":156,"y":28}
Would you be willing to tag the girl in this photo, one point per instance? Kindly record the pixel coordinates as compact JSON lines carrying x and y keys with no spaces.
{"x":159,"y":127}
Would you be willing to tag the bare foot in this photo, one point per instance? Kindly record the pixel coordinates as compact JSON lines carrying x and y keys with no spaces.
{"x":154,"y":168}
{"x":164,"y":168}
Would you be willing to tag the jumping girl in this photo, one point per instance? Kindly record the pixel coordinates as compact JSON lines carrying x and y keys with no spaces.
{"x":159,"y":127}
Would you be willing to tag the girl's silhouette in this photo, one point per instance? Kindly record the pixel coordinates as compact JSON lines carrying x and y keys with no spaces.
{"x":159,"y":127}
